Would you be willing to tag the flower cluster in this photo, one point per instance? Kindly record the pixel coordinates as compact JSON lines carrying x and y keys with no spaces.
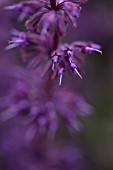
{"x":42,"y":107}
{"x":45,"y":26}
{"x":69,"y":57}
{"x":49,"y":15}
{"x":36,"y":48}
{"x":42,"y":49}
{"x":42,"y":113}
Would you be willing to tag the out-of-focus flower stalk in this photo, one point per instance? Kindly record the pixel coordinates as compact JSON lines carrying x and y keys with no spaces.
{"x":35,"y":96}
{"x":41,"y":48}
{"x":42,"y":45}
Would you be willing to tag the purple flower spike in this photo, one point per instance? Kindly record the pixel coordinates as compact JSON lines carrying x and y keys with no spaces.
{"x":46,"y":24}
{"x":35,"y":97}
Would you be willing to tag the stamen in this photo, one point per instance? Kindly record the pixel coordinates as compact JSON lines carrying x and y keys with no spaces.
{"x":93,"y":49}
{"x":73,"y":66}
{"x":53,"y":66}
{"x":60,"y":81}
{"x":99,"y":51}
{"x":12,"y":7}
{"x":9,"y":7}
{"x":55,"y":60}
{"x":78,"y":73}
{"x":11,"y":46}
{"x":61,"y":75}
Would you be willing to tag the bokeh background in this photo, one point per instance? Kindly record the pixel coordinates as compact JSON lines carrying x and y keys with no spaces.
{"x":95,"y":24}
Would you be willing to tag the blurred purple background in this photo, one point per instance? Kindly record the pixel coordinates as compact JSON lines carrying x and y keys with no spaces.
{"x":95,"y":24}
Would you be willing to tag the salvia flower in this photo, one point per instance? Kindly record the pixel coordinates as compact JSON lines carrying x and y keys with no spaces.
{"x":50,"y":14}
{"x":87,"y":47}
{"x":35,"y":97}
{"x":37,"y":48}
{"x":41,"y":42}
{"x":70,"y":58}
{"x":18,"y":39}
{"x":26,"y":8}
{"x":34,"y":47}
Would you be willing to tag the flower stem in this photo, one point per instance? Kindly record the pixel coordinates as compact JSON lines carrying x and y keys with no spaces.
{"x":53,"y":4}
